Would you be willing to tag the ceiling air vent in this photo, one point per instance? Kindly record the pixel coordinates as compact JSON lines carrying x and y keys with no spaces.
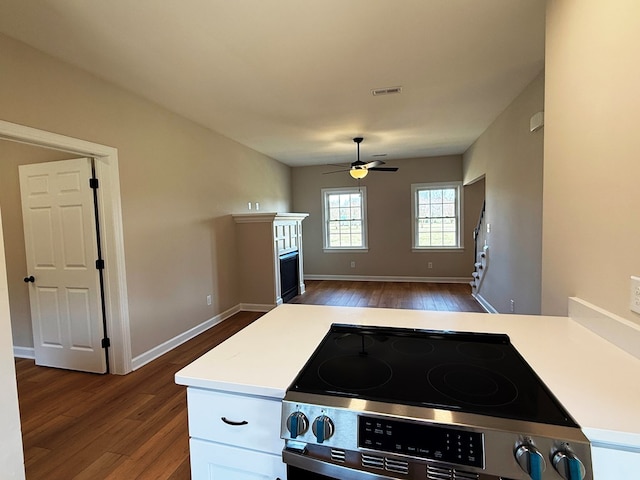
{"x":386,"y":91}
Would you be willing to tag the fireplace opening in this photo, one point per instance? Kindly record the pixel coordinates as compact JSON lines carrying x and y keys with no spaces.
{"x":289,"y":276}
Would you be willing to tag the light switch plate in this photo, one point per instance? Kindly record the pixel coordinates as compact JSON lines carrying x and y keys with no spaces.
{"x":635,"y":294}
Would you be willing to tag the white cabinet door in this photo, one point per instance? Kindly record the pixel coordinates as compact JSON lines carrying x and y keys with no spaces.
{"x":213,"y":461}
{"x":611,"y":464}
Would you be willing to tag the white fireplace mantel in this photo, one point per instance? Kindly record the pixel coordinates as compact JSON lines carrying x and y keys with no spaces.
{"x":262,"y":239}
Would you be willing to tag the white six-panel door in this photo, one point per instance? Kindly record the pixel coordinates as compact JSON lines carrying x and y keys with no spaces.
{"x":61,"y":249}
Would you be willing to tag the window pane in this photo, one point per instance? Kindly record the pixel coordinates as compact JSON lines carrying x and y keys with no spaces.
{"x":449,"y":195}
{"x":449,"y":239}
{"x":449,"y":210}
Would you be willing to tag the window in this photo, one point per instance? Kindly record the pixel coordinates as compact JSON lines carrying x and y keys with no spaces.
{"x":437,"y":215}
{"x":344,"y":216}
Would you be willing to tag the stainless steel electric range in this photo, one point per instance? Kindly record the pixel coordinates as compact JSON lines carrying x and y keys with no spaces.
{"x":391,"y":403}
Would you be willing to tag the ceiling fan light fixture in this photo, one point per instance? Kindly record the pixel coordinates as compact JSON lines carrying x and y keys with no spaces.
{"x":358,"y":173}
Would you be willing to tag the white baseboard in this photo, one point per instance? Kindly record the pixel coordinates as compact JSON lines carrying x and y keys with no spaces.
{"x":24,"y":352}
{"x":256,"y":307}
{"x":617,"y":330}
{"x":169,"y":345}
{"x":365,"y":278}
{"x":484,"y":304}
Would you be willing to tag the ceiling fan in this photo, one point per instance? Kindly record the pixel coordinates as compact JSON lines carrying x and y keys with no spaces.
{"x":360,"y":169}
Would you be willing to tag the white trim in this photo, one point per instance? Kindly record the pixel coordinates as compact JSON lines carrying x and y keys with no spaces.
{"x":483,"y":303}
{"x":111,"y":232}
{"x":346,"y":250}
{"x":437,"y":250}
{"x":257,"y":307}
{"x":24,"y":352}
{"x":621,"y":332}
{"x":365,"y":278}
{"x":268,"y":217}
{"x":165,"y":347}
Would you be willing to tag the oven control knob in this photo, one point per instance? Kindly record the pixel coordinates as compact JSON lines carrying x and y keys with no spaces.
{"x":322,"y":428}
{"x":531,"y":461}
{"x":568,"y":465}
{"x":297,"y":424}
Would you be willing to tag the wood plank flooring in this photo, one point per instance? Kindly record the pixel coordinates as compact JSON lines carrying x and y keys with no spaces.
{"x":85,"y":426}
{"x":454,"y":297}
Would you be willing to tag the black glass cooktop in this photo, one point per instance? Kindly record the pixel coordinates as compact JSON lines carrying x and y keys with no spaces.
{"x":468,"y":372}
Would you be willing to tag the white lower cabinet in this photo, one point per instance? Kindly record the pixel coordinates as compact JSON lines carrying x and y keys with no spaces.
{"x":234,"y":437}
{"x":214,"y":461}
{"x":615,"y":464}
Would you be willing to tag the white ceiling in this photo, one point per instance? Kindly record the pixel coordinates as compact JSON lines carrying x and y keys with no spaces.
{"x":293,"y":78}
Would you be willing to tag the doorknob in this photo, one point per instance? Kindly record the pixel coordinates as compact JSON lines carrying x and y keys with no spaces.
{"x":30,"y":278}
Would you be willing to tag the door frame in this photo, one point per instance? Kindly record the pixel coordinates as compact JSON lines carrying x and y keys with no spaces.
{"x":111,"y":233}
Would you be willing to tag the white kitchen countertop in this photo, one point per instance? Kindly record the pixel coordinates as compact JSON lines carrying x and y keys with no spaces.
{"x":597,"y":382}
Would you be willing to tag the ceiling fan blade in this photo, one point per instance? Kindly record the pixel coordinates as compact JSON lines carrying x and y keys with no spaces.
{"x":335,"y":171}
{"x":384,"y":169}
{"x":343,"y":165}
{"x":373,"y":164}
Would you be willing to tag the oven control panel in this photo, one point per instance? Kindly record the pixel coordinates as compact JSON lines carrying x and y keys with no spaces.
{"x":423,"y":441}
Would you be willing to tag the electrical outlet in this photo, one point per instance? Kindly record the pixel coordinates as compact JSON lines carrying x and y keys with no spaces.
{"x":353,"y":264}
{"x":248,"y":205}
{"x":429,"y":264}
{"x":257,"y":205}
{"x":209,"y":299}
{"x":635,"y":294}
{"x":512,"y":305}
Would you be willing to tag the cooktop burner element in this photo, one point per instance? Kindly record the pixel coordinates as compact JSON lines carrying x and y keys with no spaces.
{"x":472,"y":385}
{"x":411,"y":402}
{"x":355,"y":372}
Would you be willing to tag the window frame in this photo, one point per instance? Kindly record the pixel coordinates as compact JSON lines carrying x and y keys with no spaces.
{"x":325,"y":193}
{"x":417,"y":187}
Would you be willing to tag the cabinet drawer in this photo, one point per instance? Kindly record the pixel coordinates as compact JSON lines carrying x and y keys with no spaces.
{"x":212,"y":461}
{"x":207,"y":409}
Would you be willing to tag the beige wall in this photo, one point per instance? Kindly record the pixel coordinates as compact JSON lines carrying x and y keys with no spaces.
{"x":11,"y":457}
{"x":591,"y":169}
{"x":179,"y":184}
{"x":511,"y":158}
{"x":389,"y":220}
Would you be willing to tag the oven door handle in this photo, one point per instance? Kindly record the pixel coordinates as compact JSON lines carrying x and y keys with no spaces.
{"x":304,"y":462}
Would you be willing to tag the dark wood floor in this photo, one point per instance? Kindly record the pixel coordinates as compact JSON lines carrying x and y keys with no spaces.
{"x":454,"y":297}
{"x":85,"y":426}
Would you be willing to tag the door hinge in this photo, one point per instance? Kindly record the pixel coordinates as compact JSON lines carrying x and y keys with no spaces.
{"x":106,"y":343}
{"x":100,"y":264}
{"x":93,"y":183}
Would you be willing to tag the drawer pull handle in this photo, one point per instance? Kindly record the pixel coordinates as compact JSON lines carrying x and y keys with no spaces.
{"x":231,"y":422}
